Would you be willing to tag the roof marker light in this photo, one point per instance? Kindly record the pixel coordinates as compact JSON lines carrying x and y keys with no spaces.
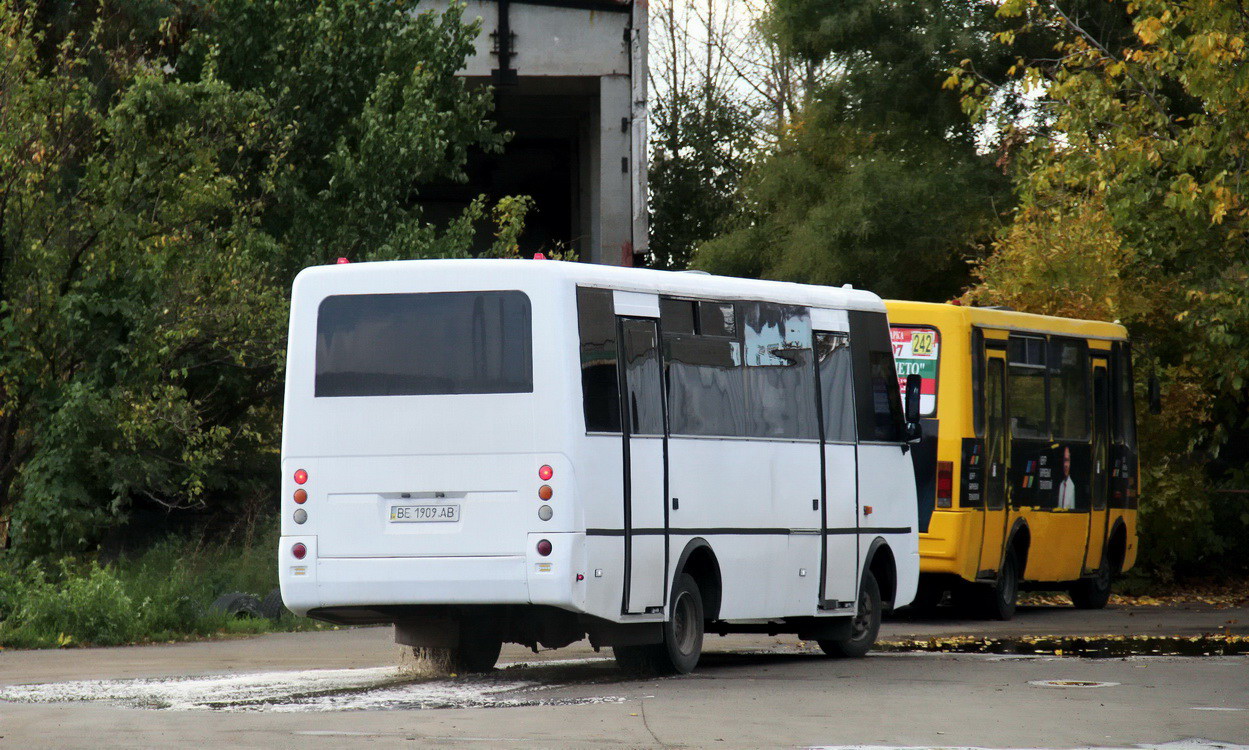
{"x":341,"y":262}
{"x":539,"y":256}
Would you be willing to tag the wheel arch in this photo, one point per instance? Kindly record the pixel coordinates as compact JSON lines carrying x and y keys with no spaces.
{"x":884,"y":567}
{"x":1117,"y":546}
{"x":699,"y":560}
{"x":1018,"y":543}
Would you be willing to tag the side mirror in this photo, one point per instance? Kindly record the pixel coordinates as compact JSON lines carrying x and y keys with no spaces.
{"x":1155,"y":395}
{"x":911,"y":408}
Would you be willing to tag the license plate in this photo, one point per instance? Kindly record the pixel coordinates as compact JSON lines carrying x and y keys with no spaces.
{"x":424,"y":513}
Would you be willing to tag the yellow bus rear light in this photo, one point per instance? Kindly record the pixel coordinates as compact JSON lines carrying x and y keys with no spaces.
{"x":945,"y":484}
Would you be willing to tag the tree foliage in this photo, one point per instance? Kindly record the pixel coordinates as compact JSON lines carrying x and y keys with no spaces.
{"x":165,"y":169}
{"x":1134,"y":206}
{"x":878,"y":182}
{"x":702,"y":144}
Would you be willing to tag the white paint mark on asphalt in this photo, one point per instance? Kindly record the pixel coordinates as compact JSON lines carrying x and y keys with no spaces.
{"x":380,"y":688}
{"x":1189,"y":744}
{"x":1071,"y":683}
{"x":1215,"y":708}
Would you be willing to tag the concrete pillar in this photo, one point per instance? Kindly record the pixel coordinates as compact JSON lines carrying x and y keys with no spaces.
{"x":614,"y":243}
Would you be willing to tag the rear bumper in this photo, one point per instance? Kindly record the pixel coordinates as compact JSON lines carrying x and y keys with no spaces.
{"x":341,"y":582}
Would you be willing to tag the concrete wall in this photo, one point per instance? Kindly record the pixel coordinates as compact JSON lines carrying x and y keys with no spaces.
{"x":579,"y":90}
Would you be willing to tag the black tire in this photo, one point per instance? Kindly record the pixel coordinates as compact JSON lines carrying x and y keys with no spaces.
{"x":476,"y":652}
{"x":272,"y":605}
{"x":1000,"y":598}
{"x":864,"y":628}
{"x":990,"y":601}
{"x":1093,"y":592}
{"x":683,"y":636}
{"x":237,"y":604}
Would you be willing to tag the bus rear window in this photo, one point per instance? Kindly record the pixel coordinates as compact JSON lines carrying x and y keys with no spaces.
{"x":434,"y":343}
{"x":916,"y":350}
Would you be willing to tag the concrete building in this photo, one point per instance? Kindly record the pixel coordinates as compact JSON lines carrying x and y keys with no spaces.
{"x":570,"y":83}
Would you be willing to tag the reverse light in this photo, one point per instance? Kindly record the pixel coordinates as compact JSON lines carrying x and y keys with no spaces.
{"x":545,"y":492}
{"x":299,"y":550}
{"x":544,"y":548}
{"x":301,"y":496}
{"x":945,"y":484}
{"x":301,"y":476}
{"x":545,"y":473}
{"x":301,"y":515}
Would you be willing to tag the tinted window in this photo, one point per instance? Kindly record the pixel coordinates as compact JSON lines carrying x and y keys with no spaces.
{"x":1069,"y":389}
{"x":706,"y":389}
{"x":780,"y":388}
{"x":677,"y":315}
{"x":716,"y":319}
{"x":1028,"y":411}
{"x":832,"y":351}
{"x":877,"y":399}
{"x":596,"y":322}
{"x":424,"y":344}
{"x":643,"y":379}
{"x":1125,"y":407}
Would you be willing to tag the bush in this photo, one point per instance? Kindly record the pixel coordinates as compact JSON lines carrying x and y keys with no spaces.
{"x":162,"y":594}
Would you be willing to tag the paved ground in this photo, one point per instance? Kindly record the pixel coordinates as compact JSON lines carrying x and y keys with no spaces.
{"x":279,"y":691}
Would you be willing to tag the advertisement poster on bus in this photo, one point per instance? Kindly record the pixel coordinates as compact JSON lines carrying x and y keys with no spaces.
{"x":916,"y":350}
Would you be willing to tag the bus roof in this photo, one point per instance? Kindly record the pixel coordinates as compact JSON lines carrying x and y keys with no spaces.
{"x":902,"y":311}
{"x":643,"y":280}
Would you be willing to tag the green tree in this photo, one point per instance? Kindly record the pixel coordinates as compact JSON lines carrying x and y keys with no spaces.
{"x":165,"y":169}
{"x":369,"y":99}
{"x":702,"y":144}
{"x":878,"y":182}
{"x":133,"y":287}
{"x":1134,"y":155}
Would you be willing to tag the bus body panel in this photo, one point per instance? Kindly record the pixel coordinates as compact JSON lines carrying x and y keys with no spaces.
{"x":369,"y":457}
{"x":960,"y":540}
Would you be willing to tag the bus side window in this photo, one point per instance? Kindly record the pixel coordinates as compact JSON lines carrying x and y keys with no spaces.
{"x":780,"y":392}
{"x":1029,"y":410}
{"x":877,"y":398}
{"x":977,"y":380}
{"x":832,"y":351}
{"x":596,"y":322}
{"x":1069,"y":389}
{"x":706,"y":389}
{"x":1125,"y":401}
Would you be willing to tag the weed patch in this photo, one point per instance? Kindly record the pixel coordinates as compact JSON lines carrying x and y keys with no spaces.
{"x":160,"y":595}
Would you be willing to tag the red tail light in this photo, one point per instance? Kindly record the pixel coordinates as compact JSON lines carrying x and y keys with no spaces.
{"x":945,"y":484}
{"x":301,"y":476}
{"x":545,"y":473}
{"x":299,"y":550}
{"x":544,"y":548}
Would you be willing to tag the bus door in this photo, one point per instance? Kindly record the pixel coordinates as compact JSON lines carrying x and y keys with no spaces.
{"x":644,"y":427}
{"x":997,"y":458}
{"x":839,"y":506}
{"x":1099,"y":517}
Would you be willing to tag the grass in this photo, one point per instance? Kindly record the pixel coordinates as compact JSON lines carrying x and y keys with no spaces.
{"x":163,"y":594}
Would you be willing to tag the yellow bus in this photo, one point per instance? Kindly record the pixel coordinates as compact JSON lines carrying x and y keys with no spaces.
{"x":1027,"y":472}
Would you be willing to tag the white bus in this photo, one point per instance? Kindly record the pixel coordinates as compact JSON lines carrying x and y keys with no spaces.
{"x":535,"y":452}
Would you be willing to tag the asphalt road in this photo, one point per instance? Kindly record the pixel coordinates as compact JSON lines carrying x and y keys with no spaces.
{"x":341,"y":688}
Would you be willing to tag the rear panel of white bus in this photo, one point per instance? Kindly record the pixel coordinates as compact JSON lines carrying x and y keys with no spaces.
{"x":421,"y":425}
